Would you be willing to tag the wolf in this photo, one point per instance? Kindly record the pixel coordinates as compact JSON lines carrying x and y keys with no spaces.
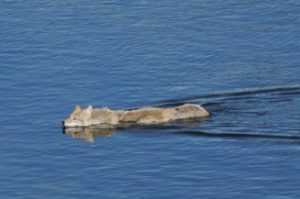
{"x":106,"y":117}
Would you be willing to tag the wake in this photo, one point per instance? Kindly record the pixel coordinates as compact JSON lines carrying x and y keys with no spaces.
{"x":287,"y":90}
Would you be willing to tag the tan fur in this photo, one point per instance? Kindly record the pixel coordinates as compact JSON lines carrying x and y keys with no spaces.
{"x":105,"y":116}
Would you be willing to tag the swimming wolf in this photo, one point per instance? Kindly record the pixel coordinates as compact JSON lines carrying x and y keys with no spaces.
{"x":110,"y":118}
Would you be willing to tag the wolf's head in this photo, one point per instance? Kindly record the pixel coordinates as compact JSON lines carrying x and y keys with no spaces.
{"x":79,"y":117}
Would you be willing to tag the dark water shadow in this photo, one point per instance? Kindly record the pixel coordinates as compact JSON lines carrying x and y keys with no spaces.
{"x":90,"y":134}
{"x":239,"y":135}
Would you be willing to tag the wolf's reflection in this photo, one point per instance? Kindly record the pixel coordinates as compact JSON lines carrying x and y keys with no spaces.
{"x":88,"y":134}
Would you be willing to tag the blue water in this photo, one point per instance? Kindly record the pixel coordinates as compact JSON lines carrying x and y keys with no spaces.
{"x":239,"y":59}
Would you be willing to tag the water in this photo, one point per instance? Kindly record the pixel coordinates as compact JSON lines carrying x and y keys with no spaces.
{"x":239,"y":59}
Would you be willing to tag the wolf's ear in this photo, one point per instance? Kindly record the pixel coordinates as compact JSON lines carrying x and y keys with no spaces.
{"x":85,"y":113}
{"x":77,"y":108}
{"x":89,"y":109}
{"x":76,"y":111}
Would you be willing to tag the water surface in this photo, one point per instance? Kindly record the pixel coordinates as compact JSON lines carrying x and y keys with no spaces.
{"x":238,"y":59}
